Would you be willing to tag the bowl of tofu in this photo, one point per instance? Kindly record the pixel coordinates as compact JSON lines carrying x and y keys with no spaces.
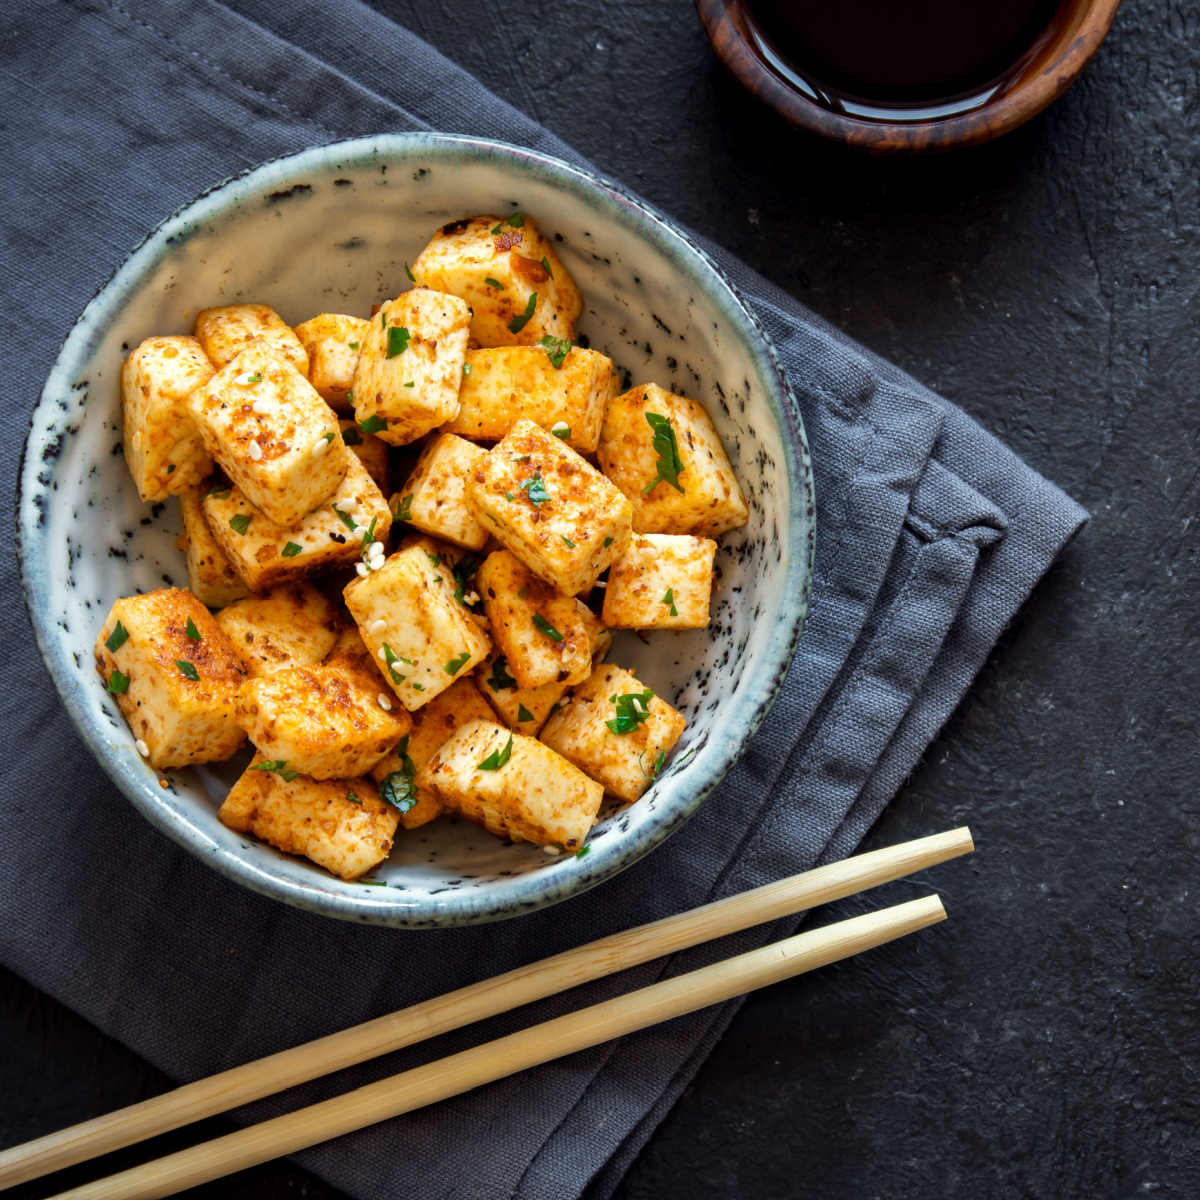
{"x":417,"y":529}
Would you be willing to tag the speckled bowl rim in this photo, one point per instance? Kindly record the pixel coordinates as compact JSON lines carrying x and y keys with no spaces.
{"x":687,"y":790}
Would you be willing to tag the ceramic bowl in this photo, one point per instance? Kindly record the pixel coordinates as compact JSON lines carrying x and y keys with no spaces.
{"x":329,"y":230}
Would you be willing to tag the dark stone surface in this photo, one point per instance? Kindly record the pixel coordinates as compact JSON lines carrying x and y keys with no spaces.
{"x":1043,"y":1042}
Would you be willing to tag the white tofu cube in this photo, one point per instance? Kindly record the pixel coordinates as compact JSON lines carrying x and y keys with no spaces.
{"x":324,"y":721}
{"x":341,"y":824}
{"x":411,"y":365}
{"x":290,"y":625}
{"x":551,"y":508}
{"x":506,"y":384}
{"x":174,"y":676}
{"x":541,"y":632}
{"x":410,"y":620}
{"x":435,"y":498}
{"x":332,"y":342}
{"x":211,"y":577}
{"x":616,"y":731}
{"x":274,"y":436}
{"x":369,"y":450}
{"x":508,"y":273}
{"x":226,"y":331}
{"x":664,"y":453}
{"x":661,"y":581}
{"x":513,"y":786}
{"x":432,"y":726}
{"x":162,"y":445}
{"x":264,"y":553}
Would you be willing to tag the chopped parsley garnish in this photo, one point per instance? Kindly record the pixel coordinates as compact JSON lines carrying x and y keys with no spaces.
{"x":118,"y":684}
{"x":466,"y":368}
{"x":218,"y":493}
{"x":567,"y":540}
{"x":255,"y":378}
{"x":583,"y":851}
{"x":404,"y":509}
{"x":240,"y":523}
{"x":411,"y":383}
{"x":399,"y":788}
{"x":632,"y":709}
{"x":346,"y":519}
{"x":556,"y":349}
{"x":352,"y":437}
{"x":277,"y":766}
{"x":544,"y":626}
{"x":435,"y":559}
{"x":607,"y":542}
{"x":170,"y":468}
{"x":191,"y":630}
{"x":187,"y":670}
{"x":508,"y":496}
{"x":500,"y":678}
{"x":669,"y":598}
{"x":353,"y":345}
{"x":390,"y":656}
{"x":118,"y":638}
{"x":561,"y":430}
{"x":353,"y":798}
{"x":329,"y":438}
{"x":350,"y":396}
{"x":535,"y":489}
{"x":463,"y":571}
{"x":521,"y":320}
{"x":291,"y":550}
{"x":546,"y":264}
{"x":368,"y":537}
{"x":655,"y":767}
{"x":418,"y":687}
{"x":494,"y":283}
{"x":372,"y":882}
{"x":408,"y":272}
{"x":457,"y":663}
{"x":397,"y":342}
{"x":372,"y":424}
{"x":516,"y":221}
{"x":497,"y":758}
{"x":523,"y":714}
{"x":667,"y":448}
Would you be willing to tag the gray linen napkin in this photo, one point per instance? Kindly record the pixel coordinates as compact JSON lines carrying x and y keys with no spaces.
{"x":931,"y":535}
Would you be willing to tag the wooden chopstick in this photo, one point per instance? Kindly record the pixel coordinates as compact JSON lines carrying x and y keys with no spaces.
{"x":266,"y":1076}
{"x":517,"y":1052}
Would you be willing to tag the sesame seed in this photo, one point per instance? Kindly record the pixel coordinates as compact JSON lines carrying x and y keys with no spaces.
{"x":261,"y":407}
{"x":472,"y":597}
{"x":245,"y":379}
{"x":319,"y":447}
{"x":384,"y":702}
{"x":377,"y":627}
{"x":254,"y":450}
{"x":361,"y":568}
{"x":375,"y":548}
{"x":552,"y":850}
{"x":142,"y":748}
{"x":602,"y":583}
{"x":382,"y":654}
{"x":345,"y":504}
{"x":560,"y":427}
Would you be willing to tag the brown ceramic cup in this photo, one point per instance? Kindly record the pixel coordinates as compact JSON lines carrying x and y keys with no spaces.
{"x":1042,"y":75}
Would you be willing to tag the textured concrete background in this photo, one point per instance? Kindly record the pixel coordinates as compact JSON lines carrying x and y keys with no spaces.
{"x":1043,"y":1042}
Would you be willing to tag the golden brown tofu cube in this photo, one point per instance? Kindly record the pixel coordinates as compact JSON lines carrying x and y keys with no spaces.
{"x":616,"y":731}
{"x":162,"y":445}
{"x":289,"y":625}
{"x":524,"y":709}
{"x":370,"y":451}
{"x":411,"y":364}
{"x":664,"y":453}
{"x":174,"y":677}
{"x":226,"y":331}
{"x":332,"y":342}
{"x":410,"y":620}
{"x":541,"y":632}
{"x":341,"y":824}
{"x":506,"y":384}
{"x":432,"y":725}
{"x":435,"y":497}
{"x":264,"y":553}
{"x":349,"y":647}
{"x":513,"y":786}
{"x":274,"y":436}
{"x":211,"y":577}
{"x":661,"y":581}
{"x":328,"y":722}
{"x":508,"y":273}
{"x":551,"y":508}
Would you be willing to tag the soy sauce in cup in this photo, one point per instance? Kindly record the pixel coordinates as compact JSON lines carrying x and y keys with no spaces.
{"x":881,"y":58}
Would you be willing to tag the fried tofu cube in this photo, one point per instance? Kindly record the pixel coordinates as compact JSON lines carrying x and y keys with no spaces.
{"x":174,"y":676}
{"x":289,"y":625}
{"x":508,"y":273}
{"x":539,"y":631}
{"x":370,"y":451}
{"x":616,"y":731}
{"x":226,"y":331}
{"x":341,"y":824}
{"x":435,"y":497}
{"x":274,"y":436}
{"x":599,"y":638}
{"x":332,"y":342}
{"x":211,"y":577}
{"x":331,"y":721}
{"x":524,"y":709}
{"x":661,"y":581}
{"x":513,"y":786}
{"x":551,"y":508}
{"x":432,"y":726}
{"x":411,"y":365}
{"x":264,"y":553}
{"x":163,"y":447}
{"x":647,"y":427}
{"x":506,"y":384}
{"x":410,"y":620}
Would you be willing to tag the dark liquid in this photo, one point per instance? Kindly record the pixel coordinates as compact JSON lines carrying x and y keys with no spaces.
{"x":899,"y":53}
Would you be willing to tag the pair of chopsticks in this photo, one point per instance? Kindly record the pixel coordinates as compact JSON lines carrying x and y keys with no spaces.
{"x":493,"y":1060}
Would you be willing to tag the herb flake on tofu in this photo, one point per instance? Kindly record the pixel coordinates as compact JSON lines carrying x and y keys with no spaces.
{"x":372,"y":424}
{"x":666,"y":447}
{"x":118,"y":684}
{"x":557,"y":350}
{"x":497,"y":758}
{"x":399,"y":788}
{"x":535,"y":488}
{"x":397,"y":340}
{"x":457,"y":663}
{"x":240,"y":523}
{"x":500,"y":679}
{"x":522,"y":319}
{"x":277,"y":766}
{"x":544,"y":627}
{"x":118,"y":638}
{"x":291,"y":550}
{"x":188,"y":670}
{"x":632,"y":709}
